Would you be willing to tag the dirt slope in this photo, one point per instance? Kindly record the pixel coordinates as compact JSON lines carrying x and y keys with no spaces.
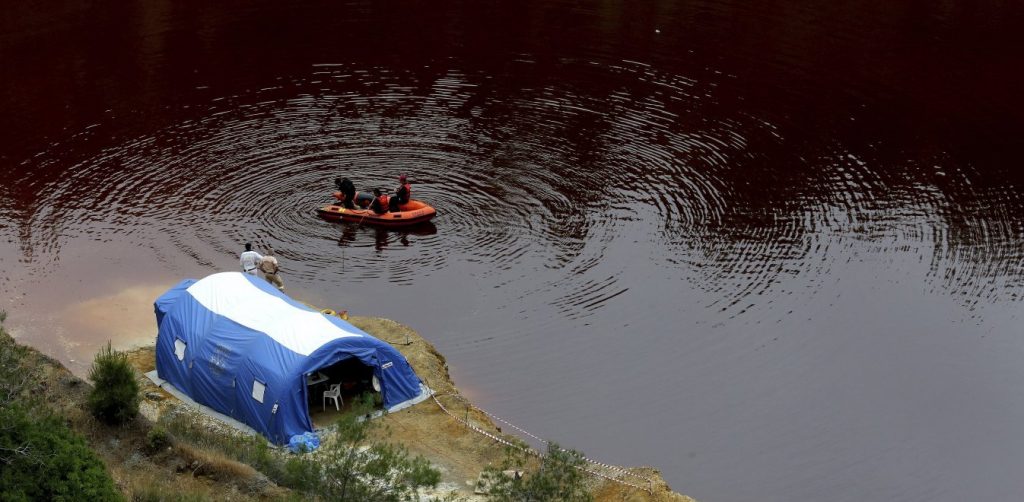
{"x":460,"y":451}
{"x":463,"y":452}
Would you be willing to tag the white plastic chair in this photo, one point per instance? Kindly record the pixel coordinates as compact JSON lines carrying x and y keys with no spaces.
{"x":335,"y":394}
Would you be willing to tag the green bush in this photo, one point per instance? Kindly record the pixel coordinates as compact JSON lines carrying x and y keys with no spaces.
{"x":381,"y":472}
{"x":40,"y":457}
{"x":44,"y":460}
{"x":115,"y":394}
{"x":558,"y":479}
{"x":157,"y":439}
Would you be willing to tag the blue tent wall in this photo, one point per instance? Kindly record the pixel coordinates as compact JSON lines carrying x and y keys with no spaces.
{"x":223,"y":357}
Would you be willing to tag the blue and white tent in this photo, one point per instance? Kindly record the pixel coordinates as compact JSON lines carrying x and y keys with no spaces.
{"x":236,"y":344}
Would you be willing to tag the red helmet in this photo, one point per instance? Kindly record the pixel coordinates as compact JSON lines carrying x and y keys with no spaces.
{"x":401,"y":177}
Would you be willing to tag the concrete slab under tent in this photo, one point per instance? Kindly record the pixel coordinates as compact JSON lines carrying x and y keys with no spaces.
{"x":235,"y":344}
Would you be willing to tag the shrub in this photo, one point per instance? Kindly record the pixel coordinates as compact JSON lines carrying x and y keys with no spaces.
{"x":44,"y":460}
{"x":381,"y":472}
{"x":558,"y":478}
{"x":16,"y":374}
{"x":40,"y":458}
{"x":157,"y":439}
{"x":115,"y":394}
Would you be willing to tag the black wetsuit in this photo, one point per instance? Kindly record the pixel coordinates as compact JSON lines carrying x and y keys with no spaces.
{"x":348,"y":189}
{"x":401,"y":197}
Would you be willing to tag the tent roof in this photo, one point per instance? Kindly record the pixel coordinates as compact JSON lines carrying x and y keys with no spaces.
{"x":292,"y":325}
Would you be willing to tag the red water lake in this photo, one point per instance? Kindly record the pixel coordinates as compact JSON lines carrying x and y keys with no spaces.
{"x":772,"y":249}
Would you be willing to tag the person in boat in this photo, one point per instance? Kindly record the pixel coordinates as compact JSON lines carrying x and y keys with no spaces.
{"x":271,"y":270}
{"x":402,"y":194}
{"x":381,"y":203}
{"x":250,"y":260}
{"x":346,"y":192}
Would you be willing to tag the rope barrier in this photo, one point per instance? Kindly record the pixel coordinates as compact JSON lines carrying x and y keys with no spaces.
{"x":481,"y":431}
{"x":650,"y":482}
{"x":595,"y":462}
{"x":619,"y":481}
{"x":540,"y":440}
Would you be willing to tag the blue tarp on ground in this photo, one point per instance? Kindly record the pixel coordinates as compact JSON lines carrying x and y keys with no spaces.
{"x":235,"y":343}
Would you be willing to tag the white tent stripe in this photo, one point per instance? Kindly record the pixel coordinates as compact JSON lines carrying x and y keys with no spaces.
{"x":301,"y":331}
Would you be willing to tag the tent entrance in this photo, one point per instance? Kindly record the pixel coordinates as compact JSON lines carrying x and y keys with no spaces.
{"x":353,"y":379}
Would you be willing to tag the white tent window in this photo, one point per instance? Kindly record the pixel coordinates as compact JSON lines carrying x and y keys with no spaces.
{"x":179,"y":348}
{"x":258,"y":389}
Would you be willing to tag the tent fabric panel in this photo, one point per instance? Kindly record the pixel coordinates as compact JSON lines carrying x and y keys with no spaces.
{"x":167,"y":364}
{"x":169,"y":299}
{"x":178,"y":320}
{"x":277,"y":425}
{"x":234,"y":296}
{"x":292,"y":416}
{"x":275,"y":366}
{"x":398,"y":382}
{"x":215,"y":362}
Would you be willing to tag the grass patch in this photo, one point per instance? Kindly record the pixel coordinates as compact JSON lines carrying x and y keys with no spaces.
{"x":348,"y":466}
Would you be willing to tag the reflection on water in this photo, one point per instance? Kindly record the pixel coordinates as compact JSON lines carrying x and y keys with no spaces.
{"x":354,"y":235}
{"x":709,"y":237}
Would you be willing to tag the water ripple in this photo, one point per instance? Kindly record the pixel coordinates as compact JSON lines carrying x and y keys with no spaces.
{"x":553,"y":173}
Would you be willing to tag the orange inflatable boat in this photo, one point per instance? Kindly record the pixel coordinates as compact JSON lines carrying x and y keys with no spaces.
{"x":411,"y":213}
